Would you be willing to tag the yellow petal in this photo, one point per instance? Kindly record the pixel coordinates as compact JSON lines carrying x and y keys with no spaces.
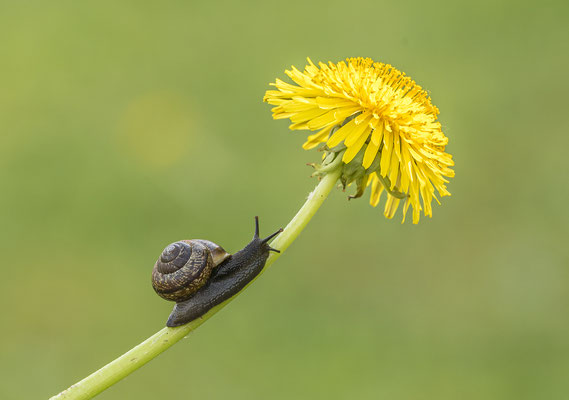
{"x":364,"y":117}
{"x":322,"y":121}
{"x":391,"y":206}
{"x":327,"y":103}
{"x":377,"y":133}
{"x":341,"y":134}
{"x":393,"y":172}
{"x":317,"y":138}
{"x":376,"y":191}
{"x":297,"y":106}
{"x":307,"y":115}
{"x":343,"y":113}
{"x":386,"y":153}
{"x":370,"y":153}
{"x":361,"y":129}
{"x":356,"y":147}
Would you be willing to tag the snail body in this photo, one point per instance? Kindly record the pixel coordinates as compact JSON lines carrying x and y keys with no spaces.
{"x":198,"y":274}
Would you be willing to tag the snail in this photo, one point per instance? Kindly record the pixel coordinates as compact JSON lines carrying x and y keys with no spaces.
{"x":198,"y":274}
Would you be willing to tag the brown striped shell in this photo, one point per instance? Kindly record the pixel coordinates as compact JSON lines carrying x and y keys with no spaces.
{"x":184,"y":267}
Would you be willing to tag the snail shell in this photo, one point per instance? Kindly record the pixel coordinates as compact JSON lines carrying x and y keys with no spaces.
{"x":184,"y":267}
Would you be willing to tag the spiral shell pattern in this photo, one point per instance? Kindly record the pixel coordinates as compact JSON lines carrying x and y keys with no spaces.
{"x":182,"y":269}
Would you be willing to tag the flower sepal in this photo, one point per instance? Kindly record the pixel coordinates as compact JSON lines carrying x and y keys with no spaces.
{"x":351,"y":172}
{"x":330,"y":162}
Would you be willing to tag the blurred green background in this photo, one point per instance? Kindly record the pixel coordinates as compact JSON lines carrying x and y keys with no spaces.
{"x":129,"y":125}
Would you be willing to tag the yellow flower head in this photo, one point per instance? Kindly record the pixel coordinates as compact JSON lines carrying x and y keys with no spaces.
{"x":378,"y":120}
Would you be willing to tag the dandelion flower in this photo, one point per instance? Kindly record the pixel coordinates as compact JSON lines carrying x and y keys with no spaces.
{"x":379,"y":121}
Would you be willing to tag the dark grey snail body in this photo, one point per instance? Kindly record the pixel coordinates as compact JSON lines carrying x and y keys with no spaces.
{"x":199,"y":274}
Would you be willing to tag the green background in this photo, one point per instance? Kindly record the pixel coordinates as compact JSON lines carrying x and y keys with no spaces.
{"x":127,"y":125}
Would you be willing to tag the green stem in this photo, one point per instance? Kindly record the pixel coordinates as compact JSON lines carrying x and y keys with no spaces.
{"x":166,"y":337}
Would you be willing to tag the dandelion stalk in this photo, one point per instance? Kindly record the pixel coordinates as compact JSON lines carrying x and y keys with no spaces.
{"x":167,"y":337}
